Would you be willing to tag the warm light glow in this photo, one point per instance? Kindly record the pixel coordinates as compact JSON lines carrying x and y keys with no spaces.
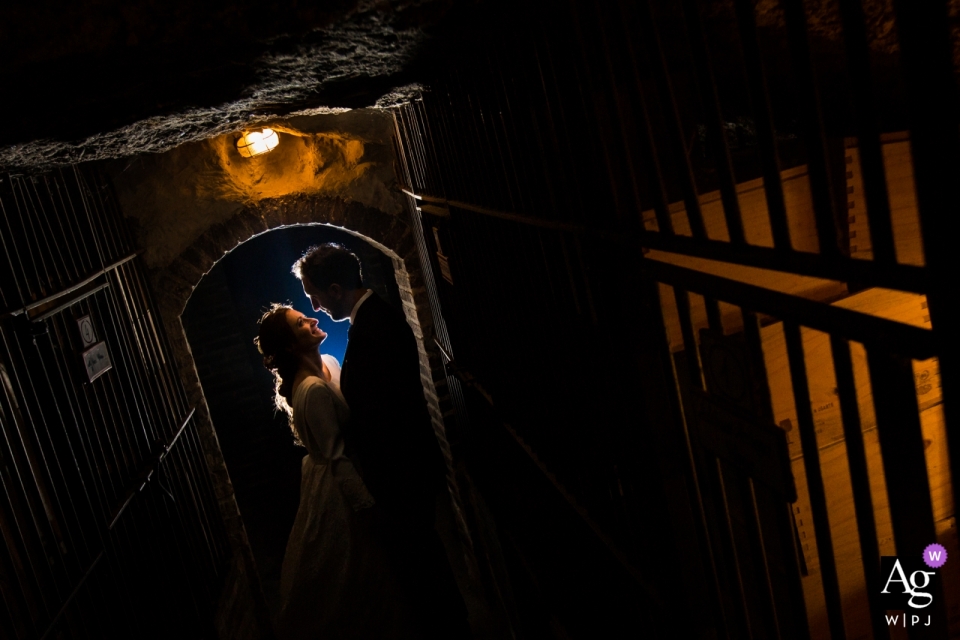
{"x":255,"y":143}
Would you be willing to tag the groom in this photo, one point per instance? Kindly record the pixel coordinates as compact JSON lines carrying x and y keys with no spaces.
{"x":390,"y":436}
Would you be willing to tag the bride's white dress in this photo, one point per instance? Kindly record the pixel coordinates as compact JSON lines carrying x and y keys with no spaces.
{"x":334,"y":582}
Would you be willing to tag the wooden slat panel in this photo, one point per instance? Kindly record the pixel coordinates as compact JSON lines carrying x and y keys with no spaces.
{"x":903,"y":203}
{"x":753,"y":208}
{"x":802,"y":286}
{"x":894,"y":305}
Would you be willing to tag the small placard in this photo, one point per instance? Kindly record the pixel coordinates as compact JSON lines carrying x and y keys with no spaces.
{"x":87,"y":334}
{"x":96,"y":361}
{"x":445,"y":268}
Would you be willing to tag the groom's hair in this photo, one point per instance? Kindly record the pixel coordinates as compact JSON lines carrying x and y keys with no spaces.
{"x":327,"y":264}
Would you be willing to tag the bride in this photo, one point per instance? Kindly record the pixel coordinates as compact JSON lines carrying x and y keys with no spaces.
{"x":334,"y":582}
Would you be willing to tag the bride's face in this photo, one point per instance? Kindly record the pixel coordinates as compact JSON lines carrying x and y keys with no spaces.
{"x":306,"y":331}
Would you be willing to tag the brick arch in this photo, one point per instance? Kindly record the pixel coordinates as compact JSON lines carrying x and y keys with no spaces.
{"x":174,"y":284}
{"x":388,"y":233}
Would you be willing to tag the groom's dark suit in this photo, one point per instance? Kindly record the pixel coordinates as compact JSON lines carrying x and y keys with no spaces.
{"x":390,"y":437}
{"x":390,"y":434}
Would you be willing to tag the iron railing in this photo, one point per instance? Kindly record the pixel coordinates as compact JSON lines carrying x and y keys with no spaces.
{"x":108,"y":518}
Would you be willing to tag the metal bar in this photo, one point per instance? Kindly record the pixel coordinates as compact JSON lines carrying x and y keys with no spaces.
{"x":17,"y":522}
{"x":821,"y":187}
{"x":904,"y":463}
{"x":431,"y":170}
{"x":172,"y":386}
{"x":77,"y":421}
{"x":784,"y":529}
{"x":132,"y":435}
{"x":690,"y":349}
{"x":766,"y":136}
{"x":913,"y":341}
{"x":7,"y":275}
{"x":560,"y":125}
{"x":925,"y":36}
{"x":508,"y":183}
{"x":40,"y":225}
{"x":523,"y":140}
{"x":100,"y":258}
{"x":730,"y":536}
{"x":655,"y":173}
{"x":674,"y":399}
{"x":867,"y":273}
{"x":815,"y":486}
{"x":67,"y":223}
{"x":672,"y":116}
{"x":788,"y":537}
{"x":80,"y":238}
{"x":42,"y":457}
{"x":449,"y":179}
{"x":761,"y":543}
{"x":62,"y":448}
{"x":859,"y":479}
{"x":597,"y":118}
{"x":762,"y":404}
{"x":69,"y":289}
{"x":73,"y":594}
{"x":82,"y":295}
{"x":31,"y":241}
{"x":173,"y":542}
{"x":428,"y":276}
{"x":650,"y":591}
{"x":149,"y":406}
{"x":10,"y":248}
{"x":102,"y":232}
{"x":714,"y":121}
{"x":573,"y":176}
{"x":714,"y":319}
{"x":868,"y":133}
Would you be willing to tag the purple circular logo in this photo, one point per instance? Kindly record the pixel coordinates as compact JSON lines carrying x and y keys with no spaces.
{"x":935,"y":555}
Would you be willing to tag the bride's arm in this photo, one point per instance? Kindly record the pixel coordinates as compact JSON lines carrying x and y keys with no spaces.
{"x":322,"y":419}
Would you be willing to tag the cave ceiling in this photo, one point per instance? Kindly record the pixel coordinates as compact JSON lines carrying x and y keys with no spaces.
{"x":102,"y":79}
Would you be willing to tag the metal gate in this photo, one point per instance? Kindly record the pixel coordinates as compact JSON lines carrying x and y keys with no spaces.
{"x":802,"y":314}
{"x":108,"y":520}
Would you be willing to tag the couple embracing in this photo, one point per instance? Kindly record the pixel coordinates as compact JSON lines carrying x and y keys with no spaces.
{"x":364,"y":559}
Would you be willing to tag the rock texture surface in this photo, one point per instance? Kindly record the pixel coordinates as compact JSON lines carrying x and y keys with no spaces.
{"x":101,"y":80}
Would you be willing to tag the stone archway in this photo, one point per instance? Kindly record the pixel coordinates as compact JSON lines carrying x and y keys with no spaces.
{"x":174,"y":283}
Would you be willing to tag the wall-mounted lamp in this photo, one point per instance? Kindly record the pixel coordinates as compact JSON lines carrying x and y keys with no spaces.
{"x":255,"y":143}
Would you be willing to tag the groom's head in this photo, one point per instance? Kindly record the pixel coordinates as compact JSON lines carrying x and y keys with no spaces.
{"x":330,"y":275}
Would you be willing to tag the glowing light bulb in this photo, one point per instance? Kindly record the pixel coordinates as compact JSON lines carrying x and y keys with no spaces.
{"x":255,"y":143}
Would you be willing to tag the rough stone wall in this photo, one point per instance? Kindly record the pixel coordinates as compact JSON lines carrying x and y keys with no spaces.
{"x":191,"y":206}
{"x":174,"y":197}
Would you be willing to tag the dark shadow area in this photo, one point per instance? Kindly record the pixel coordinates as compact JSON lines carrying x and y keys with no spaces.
{"x":220,"y":322}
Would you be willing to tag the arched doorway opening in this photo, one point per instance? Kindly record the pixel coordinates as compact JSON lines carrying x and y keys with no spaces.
{"x":220,"y":320}
{"x":174,"y":280}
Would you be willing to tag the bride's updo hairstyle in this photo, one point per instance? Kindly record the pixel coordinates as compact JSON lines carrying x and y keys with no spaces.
{"x":274,"y":342}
